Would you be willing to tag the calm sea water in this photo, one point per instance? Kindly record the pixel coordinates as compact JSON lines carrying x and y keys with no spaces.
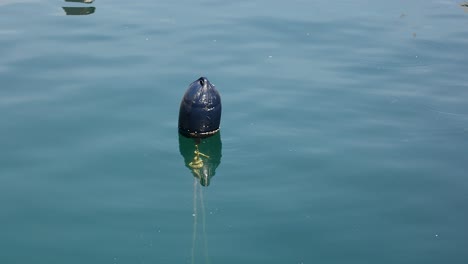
{"x":344,"y":133}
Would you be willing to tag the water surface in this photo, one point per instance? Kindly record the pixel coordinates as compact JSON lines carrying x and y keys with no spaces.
{"x":343,"y":138}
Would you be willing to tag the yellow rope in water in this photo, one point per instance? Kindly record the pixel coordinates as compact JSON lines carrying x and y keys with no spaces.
{"x":196,"y":165}
{"x":205,"y":251}
{"x":194,"y":235}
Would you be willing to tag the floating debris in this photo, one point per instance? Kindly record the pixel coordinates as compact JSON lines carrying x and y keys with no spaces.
{"x":464,"y":5}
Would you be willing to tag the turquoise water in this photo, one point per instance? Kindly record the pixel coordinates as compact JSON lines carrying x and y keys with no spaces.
{"x":343,"y":136}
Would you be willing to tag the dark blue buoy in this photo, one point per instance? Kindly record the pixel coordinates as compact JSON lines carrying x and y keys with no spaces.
{"x":200,"y":110}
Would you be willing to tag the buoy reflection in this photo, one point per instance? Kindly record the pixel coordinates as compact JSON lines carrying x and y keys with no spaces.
{"x":201,"y":156}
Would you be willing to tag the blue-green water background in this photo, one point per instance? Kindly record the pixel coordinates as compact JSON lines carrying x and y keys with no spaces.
{"x":344,"y":132}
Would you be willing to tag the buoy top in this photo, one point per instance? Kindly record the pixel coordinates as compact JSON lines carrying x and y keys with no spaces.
{"x":202,"y":93}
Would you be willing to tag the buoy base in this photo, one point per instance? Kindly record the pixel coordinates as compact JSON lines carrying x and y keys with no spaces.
{"x":198,"y":135}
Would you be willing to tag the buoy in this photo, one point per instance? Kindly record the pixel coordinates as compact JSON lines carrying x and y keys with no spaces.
{"x":200,"y":110}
